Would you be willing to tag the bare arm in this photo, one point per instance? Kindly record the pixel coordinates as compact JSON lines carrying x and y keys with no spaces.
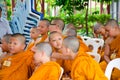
{"x":106,"y":53}
{"x":61,"y":56}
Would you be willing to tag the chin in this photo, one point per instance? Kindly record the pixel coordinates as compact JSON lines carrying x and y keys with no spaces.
{"x":59,"y":47}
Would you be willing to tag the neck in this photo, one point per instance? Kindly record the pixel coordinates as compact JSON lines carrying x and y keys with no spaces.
{"x":35,"y":39}
{"x":117,"y":32}
{"x":46,"y":60}
{"x":61,"y":49}
{"x":43,"y":34}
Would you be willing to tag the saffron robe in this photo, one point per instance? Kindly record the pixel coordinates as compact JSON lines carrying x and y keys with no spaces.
{"x":114,"y":53}
{"x":17,"y":67}
{"x":86,"y":68}
{"x":48,"y":71}
{"x":83,"y":46}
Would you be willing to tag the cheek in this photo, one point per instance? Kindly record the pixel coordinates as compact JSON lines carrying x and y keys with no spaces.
{"x":36,"y":57}
{"x":60,"y":42}
{"x":54,"y":44}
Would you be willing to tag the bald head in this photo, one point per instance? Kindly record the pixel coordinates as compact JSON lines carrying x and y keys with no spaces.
{"x":71,"y":32}
{"x":72,"y":43}
{"x":7,"y":38}
{"x":53,"y":33}
{"x":44,"y":46}
{"x":21,"y":38}
{"x":97,"y":26}
{"x":58,"y":22}
{"x":47,"y":22}
{"x":112,"y":23}
{"x":70,"y":25}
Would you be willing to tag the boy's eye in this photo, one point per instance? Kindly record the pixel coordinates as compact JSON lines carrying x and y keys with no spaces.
{"x":9,"y":42}
{"x":15,"y":43}
{"x":59,"y":39}
{"x":53,"y":40}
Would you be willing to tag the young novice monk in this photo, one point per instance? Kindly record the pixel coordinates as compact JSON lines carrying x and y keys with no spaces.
{"x":60,"y":53}
{"x":59,"y":22}
{"x":4,"y":45}
{"x":55,"y":39}
{"x":43,"y":29}
{"x":17,"y":64}
{"x":48,"y":70}
{"x":83,"y":66}
{"x":99,"y":30}
{"x":34,"y":34}
{"x":113,"y":48}
{"x":54,"y":27}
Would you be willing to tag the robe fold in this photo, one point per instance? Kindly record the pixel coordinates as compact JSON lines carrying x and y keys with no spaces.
{"x":83,"y":46}
{"x":86,"y":68}
{"x":48,"y":71}
{"x":43,"y":38}
{"x":114,"y":53}
{"x":17,"y":67}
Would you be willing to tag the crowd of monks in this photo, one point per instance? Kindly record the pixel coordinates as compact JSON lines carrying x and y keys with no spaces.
{"x":53,"y":47}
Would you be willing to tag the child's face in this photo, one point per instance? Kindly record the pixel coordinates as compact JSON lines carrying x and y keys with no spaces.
{"x":4,"y":45}
{"x":15,"y":45}
{"x":42,"y":27}
{"x":56,"y":41}
{"x":37,"y":55}
{"x":111,"y":31}
{"x":34,"y":33}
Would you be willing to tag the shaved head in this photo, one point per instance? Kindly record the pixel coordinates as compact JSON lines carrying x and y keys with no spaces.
{"x":52,"y":33}
{"x":112,"y":23}
{"x":7,"y":38}
{"x":72,"y":43}
{"x":97,"y":26}
{"x":58,"y":22}
{"x":21,"y":38}
{"x":71,"y":32}
{"x":44,"y":46}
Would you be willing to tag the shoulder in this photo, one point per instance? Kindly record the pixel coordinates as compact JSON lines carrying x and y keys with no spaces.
{"x":108,"y":40}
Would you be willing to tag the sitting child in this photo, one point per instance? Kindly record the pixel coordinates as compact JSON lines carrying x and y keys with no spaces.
{"x":45,"y":69}
{"x":34,"y":34}
{"x":17,"y":65}
{"x":83,"y":66}
{"x":4,"y":45}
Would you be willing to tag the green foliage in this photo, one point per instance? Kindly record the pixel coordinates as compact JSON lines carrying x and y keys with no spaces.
{"x":69,"y":5}
{"x":8,"y":2}
{"x":9,"y":11}
{"x":9,"y":14}
{"x":100,"y":18}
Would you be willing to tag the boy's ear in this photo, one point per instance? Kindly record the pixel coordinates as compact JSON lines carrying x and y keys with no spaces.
{"x":68,"y":51}
{"x":42,"y":53}
{"x":23,"y":47}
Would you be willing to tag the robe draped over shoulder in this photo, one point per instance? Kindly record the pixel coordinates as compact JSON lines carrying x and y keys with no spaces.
{"x":86,"y":68}
{"x":48,"y":71}
{"x":16,"y":67}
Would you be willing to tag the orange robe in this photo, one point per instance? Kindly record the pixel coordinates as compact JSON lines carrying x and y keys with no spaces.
{"x":43,"y":38}
{"x":68,"y":63}
{"x":30,"y":45}
{"x":86,"y":68}
{"x":114,"y":53}
{"x":16,"y":67}
{"x":48,"y":71}
{"x":67,"y":67}
{"x":83,"y":46}
{"x":59,"y":61}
